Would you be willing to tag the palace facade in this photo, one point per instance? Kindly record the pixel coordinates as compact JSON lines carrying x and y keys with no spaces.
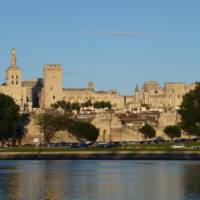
{"x":41,"y":93}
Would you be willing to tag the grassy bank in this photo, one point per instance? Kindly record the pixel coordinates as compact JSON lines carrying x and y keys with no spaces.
{"x":134,"y":147}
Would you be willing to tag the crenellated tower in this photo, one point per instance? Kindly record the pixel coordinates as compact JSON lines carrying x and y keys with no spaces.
{"x":53,"y":88}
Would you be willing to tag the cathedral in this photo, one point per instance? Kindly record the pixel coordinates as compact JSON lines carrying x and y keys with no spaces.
{"x":41,"y":93}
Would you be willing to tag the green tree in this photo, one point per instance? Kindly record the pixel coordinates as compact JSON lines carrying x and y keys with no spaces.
{"x":50,"y":123}
{"x":20,"y":129}
{"x":76,"y":106}
{"x":67,"y":106}
{"x":190,"y":111}
{"x":9,"y":116}
{"x":102,"y":104}
{"x":147,"y":131}
{"x":83,"y":131}
{"x":172,"y":131}
{"x":87,"y":103}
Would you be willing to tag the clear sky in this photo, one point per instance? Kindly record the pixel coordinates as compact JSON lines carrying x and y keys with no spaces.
{"x":114,"y":43}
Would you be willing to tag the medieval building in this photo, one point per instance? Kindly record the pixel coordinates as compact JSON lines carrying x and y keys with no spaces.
{"x":41,"y":93}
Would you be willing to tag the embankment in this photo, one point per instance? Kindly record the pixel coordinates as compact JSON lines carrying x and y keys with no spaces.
{"x":100,"y":155}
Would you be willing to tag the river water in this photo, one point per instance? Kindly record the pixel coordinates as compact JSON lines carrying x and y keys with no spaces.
{"x":99,"y":180}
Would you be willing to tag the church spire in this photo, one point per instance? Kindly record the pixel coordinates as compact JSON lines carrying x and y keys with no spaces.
{"x":136,"y":88}
{"x":13,"y":58}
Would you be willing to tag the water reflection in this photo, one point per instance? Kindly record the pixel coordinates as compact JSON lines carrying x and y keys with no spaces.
{"x":97,"y":180}
{"x":191,"y":181}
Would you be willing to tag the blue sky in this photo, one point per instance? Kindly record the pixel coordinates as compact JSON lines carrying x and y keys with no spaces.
{"x":114,"y":43}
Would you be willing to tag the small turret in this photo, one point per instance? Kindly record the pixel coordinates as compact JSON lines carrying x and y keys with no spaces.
{"x":137,"y":88}
{"x":91,"y":85}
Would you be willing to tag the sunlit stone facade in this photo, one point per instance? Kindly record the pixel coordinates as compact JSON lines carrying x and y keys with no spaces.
{"x":41,"y":93}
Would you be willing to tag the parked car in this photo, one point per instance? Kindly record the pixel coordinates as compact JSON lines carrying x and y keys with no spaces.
{"x":158,"y":140}
{"x":195,"y":147}
{"x":75,"y":145}
{"x":178,"y":146}
{"x":100,"y":144}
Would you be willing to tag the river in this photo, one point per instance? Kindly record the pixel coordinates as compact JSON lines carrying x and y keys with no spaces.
{"x":99,"y":180}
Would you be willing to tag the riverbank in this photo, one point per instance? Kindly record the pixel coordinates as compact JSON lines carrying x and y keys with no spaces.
{"x":101,"y":155}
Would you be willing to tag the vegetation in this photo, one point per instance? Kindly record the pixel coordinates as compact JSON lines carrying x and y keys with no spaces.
{"x":147,"y":106}
{"x":52,"y":122}
{"x":69,"y":107}
{"x":190,"y":111}
{"x":172,"y":131}
{"x":83,"y":131}
{"x":87,"y":103}
{"x":102,"y":104}
{"x":165,"y":147}
{"x":11,"y":122}
{"x":147,"y":131}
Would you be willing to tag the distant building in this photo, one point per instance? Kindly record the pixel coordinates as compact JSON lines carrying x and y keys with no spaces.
{"x":42,"y":93}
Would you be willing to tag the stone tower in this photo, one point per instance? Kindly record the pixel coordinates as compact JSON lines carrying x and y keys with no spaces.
{"x":91,"y":85}
{"x":13,"y":73}
{"x":53,"y":90}
{"x":137,"y":94}
{"x":13,"y":86}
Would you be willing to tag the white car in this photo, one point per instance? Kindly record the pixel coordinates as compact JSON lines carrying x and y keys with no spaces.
{"x":178,"y":146}
{"x":195,"y":147}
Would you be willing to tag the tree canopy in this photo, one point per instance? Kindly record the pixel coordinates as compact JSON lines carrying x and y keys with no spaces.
{"x":83,"y":131}
{"x":102,"y":104}
{"x":147,"y":131}
{"x":67,"y":106}
{"x":190,"y":111}
{"x":52,"y":122}
{"x":172,"y":131}
{"x":11,"y":122}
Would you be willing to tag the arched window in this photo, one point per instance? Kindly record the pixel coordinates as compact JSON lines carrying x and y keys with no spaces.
{"x":16,"y":82}
{"x":54,"y":97}
{"x":12,"y":82}
{"x":16,"y":76}
{"x":12,"y":77}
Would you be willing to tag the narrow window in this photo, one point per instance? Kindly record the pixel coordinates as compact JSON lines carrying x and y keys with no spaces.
{"x":16,"y":82}
{"x":16,"y":76}
{"x":12,"y":82}
{"x":54,"y":97}
{"x":12,"y":76}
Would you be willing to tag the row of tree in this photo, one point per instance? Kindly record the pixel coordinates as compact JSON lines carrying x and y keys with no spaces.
{"x":149,"y":132}
{"x":189,"y":113}
{"x":69,"y":107}
{"x":12,"y":123}
{"x":52,"y":122}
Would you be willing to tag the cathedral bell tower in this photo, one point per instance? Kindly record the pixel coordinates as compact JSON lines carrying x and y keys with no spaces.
{"x":13,"y":73}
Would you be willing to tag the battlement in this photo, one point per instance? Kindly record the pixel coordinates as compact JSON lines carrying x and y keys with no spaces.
{"x":53,"y":67}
